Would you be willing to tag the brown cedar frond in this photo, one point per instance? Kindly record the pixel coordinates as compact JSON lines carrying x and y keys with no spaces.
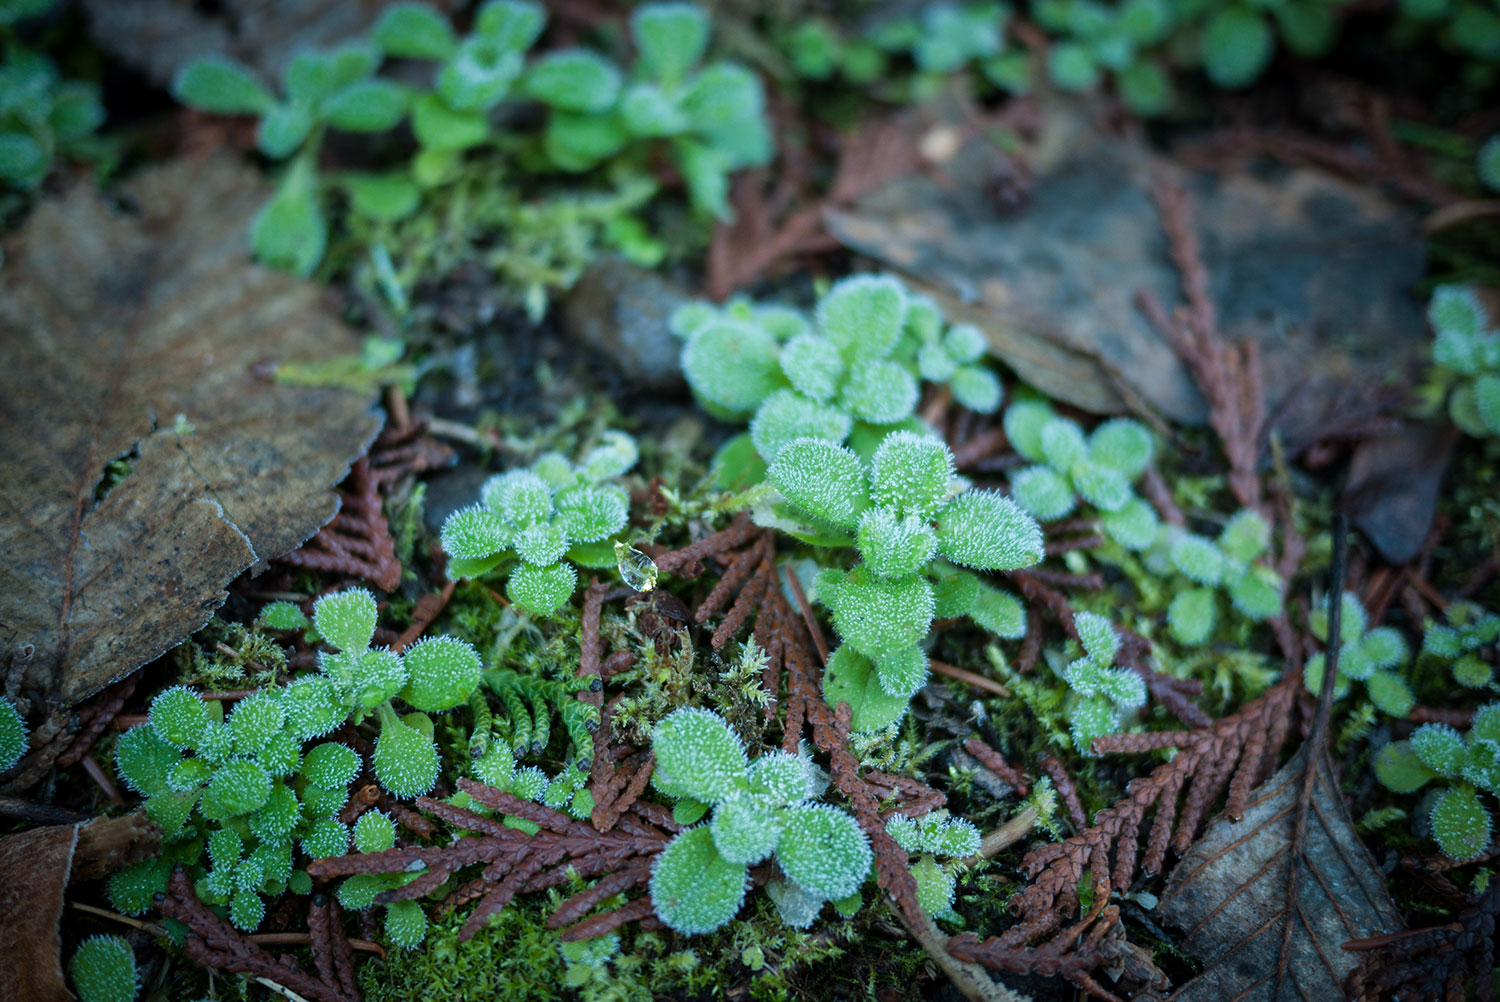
{"x":357,"y":543}
{"x":995,"y":762}
{"x":1436,"y":962}
{"x":516,"y":862}
{"x":687,"y":561}
{"x":1232,"y":752}
{"x":212,"y":942}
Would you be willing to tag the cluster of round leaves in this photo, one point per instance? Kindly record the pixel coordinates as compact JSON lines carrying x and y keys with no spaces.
{"x":1460,"y":820}
{"x":1226,"y":564}
{"x":15,"y":736}
{"x":1100,"y":468}
{"x":247,"y":786}
{"x":103,"y":970}
{"x":852,"y":373}
{"x":1467,"y":350}
{"x":433,"y":675}
{"x":405,"y":922}
{"x":538,"y":516}
{"x":1103,"y":695}
{"x":932,"y":835}
{"x":1459,"y":642}
{"x":711,"y":119}
{"x":1366,"y":654}
{"x":757,"y":811}
{"x":902,"y":513}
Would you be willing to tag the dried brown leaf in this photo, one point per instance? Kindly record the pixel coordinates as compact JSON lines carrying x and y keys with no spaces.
{"x":115,"y":324}
{"x":1230,"y":895}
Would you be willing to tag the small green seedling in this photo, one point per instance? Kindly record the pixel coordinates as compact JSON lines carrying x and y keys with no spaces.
{"x":1098,"y":468}
{"x":1366,"y":655}
{"x":1226,"y":564}
{"x":529,"y":520}
{"x":1461,"y":642}
{"x":1460,"y":819}
{"x":1103,"y":696}
{"x":932,"y":835}
{"x":901,"y":514}
{"x":1467,"y":352}
{"x":758,"y":810}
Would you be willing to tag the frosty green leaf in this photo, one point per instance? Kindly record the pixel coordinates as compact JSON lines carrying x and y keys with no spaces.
{"x":239,"y":787}
{"x":405,"y":760}
{"x":671,"y":38}
{"x":346,"y":619}
{"x":697,"y":755}
{"x":813,"y":365}
{"x":541,"y":590}
{"x":694,"y":889}
{"x":902,"y":673}
{"x":414,"y":31}
{"x":732,"y":368}
{"x":879,"y":391}
{"x":441,"y":672}
{"x":1043,"y":493}
{"x":878,"y":616}
{"x":1460,"y":823}
{"x":911,"y":473}
{"x":221,"y":86}
{"x":863,"y":316}
{"x":851,"y":678}
{"x":822,"y":479}
{"x":103,"y":970}
{"x":824,"y":850}
{"x":405,"y":924}
{"x":986,"y":531}
{"x":787,"y":415}
{"x":893,"y":546}
{"x":178,"y":716}
{"x":745,"y":828}
{"x":574,"y":80}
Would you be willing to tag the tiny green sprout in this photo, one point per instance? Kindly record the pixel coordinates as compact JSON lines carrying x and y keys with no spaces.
{"x":1102,"y":694}
{"x":1367,"y":655}
{"x":934,"y":834}
{"x":103,"y":970}
{"x":901,"y":514}
{"x":1467,"y":763}
{"x":853,"y":372}
{"x":539,"y":516}
{"x":759,"y":810}
{"x":283,"y":617}
{"x":374,"y":831}
{"x":1226,"y":564}
{"x":1467,"y":352}
{"x":405,"y":759}
{"x":1099,"y":468}
{"x":346,"y":619}
{"x":15,"y":736}
{"x":1459,"y":643}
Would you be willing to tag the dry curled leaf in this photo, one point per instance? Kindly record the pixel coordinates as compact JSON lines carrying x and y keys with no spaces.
{"x":1229,"y":895}
{"x":137,"y":337}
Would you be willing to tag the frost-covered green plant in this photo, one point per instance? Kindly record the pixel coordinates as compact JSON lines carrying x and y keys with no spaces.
{"x":42,"y":116}
{"x":851,"y":372}
{"x":1459,"y":818}
{"x":1226,"y":564}
{"x":902,"y":513}
{"x":1458,"y":643}
{"x":711,"y":119}
{"x":15,"y":737}
{"x":247,"y":784}
{"x":757,"y":811}
{"x":1366,"y":655}
{"x":1467,"y":352}
{"x":932,"y":835}
{"x":945,"y":39}
{"x":1099,"y":468}
{"x":529,"y":520}
{"x":1102,"y":696}
{"x":103,"y":970}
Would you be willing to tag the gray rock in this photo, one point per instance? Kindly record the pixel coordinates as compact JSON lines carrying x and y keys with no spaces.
{"x":621,"y":311}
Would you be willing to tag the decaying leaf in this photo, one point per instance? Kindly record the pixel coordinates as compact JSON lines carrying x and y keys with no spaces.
{"x":145,"y":463}
{"x":36,"y":868}
{"x":1229,"y":895}
{"x":1317,"y":270}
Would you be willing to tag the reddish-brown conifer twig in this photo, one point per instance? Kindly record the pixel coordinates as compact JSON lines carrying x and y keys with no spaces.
{"x":515,"y":862}
{"x":364,"y":798}
{"x":1053,"y":768}
{"x":1228,"y":376}
{"x":687,"y":561}
{"x":995,"y":762}
{"x":423,"y":615}
{"x":1109,"y":852}
{"x":358,"y":542}
{"x":96,"y":718}
{"x":212,"y":942}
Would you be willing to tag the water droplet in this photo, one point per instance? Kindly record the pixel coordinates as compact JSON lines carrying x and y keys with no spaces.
{"x":636,"y":568}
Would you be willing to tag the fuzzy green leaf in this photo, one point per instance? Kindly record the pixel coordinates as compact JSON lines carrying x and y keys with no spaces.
{"x":987,"y":531}
{"x":824,"y":850}
{"x":405,"y":760}
{"x":863,"y":316}
{"x":893,"y":546}
{"x":1042,"y":492}
{"x":732,"y":368}
{"x":103,"y":970}
{"x":1460,"y":823}
{"x":441,"y":673}
{"x":414,"y":31}
{"x":221,"y":86}
{"x":851,"y":678}
{"x":814,"y":366}
{"x":697,"y":755}
{"x":670,"y":37}
{"x":822,"y":479}
{"x":575,"y":80}
{"x":745,"y":828}
{"x":693,"y":889}
{"x":878,"y":616}
{"x":541,"y":591}
{"x":911,"y":473}
{"x":787,"y":415}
